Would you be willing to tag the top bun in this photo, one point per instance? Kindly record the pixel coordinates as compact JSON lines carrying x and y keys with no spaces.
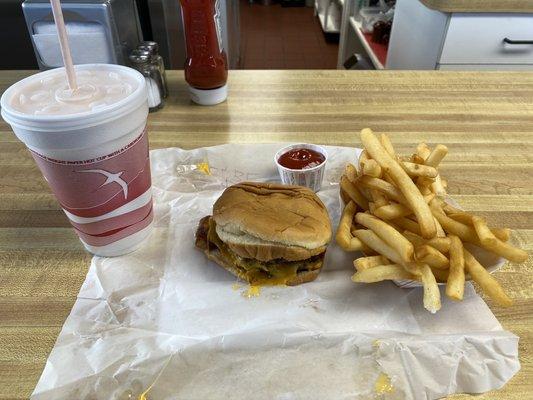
{"x":267,"y":221}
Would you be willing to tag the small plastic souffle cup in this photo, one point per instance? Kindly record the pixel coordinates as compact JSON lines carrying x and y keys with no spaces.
{"x":310,"y":177}
{"x":96,"y":162}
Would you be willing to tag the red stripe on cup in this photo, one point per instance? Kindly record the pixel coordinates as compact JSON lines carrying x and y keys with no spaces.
{"x":114,"y":223}
{"x":91,"y":188}
{"x":104,"y":240}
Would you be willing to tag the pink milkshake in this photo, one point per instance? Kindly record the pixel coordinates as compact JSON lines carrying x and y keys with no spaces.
{"x":91,"y":145}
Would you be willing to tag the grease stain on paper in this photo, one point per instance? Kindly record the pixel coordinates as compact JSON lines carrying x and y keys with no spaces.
{"x":383,"y":384}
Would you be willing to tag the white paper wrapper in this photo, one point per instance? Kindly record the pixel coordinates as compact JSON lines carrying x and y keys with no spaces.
{"x":165,"y":320}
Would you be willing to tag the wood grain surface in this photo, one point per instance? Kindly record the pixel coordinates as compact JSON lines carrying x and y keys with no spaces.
{"x":486,"y":120}
{"x":514,"y":6}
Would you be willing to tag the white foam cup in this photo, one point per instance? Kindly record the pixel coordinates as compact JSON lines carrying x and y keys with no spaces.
{"x":94,"y":155}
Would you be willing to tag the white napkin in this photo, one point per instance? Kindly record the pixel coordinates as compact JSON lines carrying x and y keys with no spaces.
{"x":87,"y":41}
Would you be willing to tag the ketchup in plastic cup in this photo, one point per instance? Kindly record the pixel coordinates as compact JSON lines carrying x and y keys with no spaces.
{"x":206,"y":65}
{"x":302,"y":164}
{"x":92,"y":148}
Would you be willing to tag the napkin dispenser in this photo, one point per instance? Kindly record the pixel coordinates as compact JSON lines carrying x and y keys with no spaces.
{"x":99,"y":31}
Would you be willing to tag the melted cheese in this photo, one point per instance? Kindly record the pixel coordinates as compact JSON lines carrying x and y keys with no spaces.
{"x":252,"y":291}
{"x":253,"y":270}
{"x":204,"y":167}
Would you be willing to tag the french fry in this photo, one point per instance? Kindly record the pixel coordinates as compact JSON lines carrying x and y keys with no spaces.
{"x":392,"y":211}
{"x":371,"y":207}
{"x":379,"y":198}
{"x":483,"y":232}
{"x":373,"y":241}
{"x":462,"y":217}
{"x":429,"y":197}
{"x":355,"y":195}
{"x":487,"y":282}
{"x":432,"y":257}
{"x":469,"y":234}
{"x":363,"y":158}
{"x":372,"y":168}
{"x":437,"y":188}
{"x":365,"y":192}
{"x":363,"y":263}
{"x":415,"y":158}
{"x":407,"y":224}
{"x":351,"y":172}
{"x":431,"y":289}
{"x":440,"y":230}
{"x":424,"y":181}
{"x":387,"y":144}
{"x":465,"y":232}
{"x":344,"y":196}
{"x":415,"y":170}
{"x":343,"y":237}
{"x":455,"y":285}
{"x":383,"y":186}
{"x":423,"y":151}
{"x":492,"y":243}
{"x":441,"y":244}
{"x":405,"y":184}
{"x":389,"y":179}
{"x":382,"y":273}
{"x":388,"y":234}
{"x":367,"y":251}
{"x":425,"y":190}
{"x":448,"y":208}
{"x":436,"y":156}
{"x":405,"y":158}
{"x":504,"y":234}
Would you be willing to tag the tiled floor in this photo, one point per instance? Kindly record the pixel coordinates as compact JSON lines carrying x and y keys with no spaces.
{"x":275,"y":37}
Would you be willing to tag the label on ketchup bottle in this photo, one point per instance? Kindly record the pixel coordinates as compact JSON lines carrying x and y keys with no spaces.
{"x":217,"y":25}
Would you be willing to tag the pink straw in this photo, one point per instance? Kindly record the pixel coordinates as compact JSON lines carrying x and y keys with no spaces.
{"x":63,"y":42}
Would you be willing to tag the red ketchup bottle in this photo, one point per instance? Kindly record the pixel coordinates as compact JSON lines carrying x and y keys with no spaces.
{"x":206,"y":65}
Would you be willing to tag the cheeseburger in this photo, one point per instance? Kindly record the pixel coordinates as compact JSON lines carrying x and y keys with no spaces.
{"x":267,"y":233}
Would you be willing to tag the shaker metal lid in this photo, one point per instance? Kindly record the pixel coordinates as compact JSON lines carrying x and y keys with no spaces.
{"x":140,"y":57}
{"x":152,"y":47}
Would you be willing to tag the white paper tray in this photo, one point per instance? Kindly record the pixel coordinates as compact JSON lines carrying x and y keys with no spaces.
{"x":166,"y":320}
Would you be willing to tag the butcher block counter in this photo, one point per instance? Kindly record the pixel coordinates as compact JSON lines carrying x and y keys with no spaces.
{"x":485,"y":119}
{"x":482,"y":6}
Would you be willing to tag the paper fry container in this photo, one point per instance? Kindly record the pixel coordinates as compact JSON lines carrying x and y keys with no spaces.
{"x":311,"y":178}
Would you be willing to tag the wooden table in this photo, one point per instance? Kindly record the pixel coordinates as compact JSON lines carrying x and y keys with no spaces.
{"x":491,"y":6}
{"x":486,"y":120}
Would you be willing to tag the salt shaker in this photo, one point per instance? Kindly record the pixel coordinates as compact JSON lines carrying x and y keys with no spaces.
{"x":153,"y":48}
{"x":142,"y":62}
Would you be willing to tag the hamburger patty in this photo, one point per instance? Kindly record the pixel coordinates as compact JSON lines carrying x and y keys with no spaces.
{"x":277,"y":271}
